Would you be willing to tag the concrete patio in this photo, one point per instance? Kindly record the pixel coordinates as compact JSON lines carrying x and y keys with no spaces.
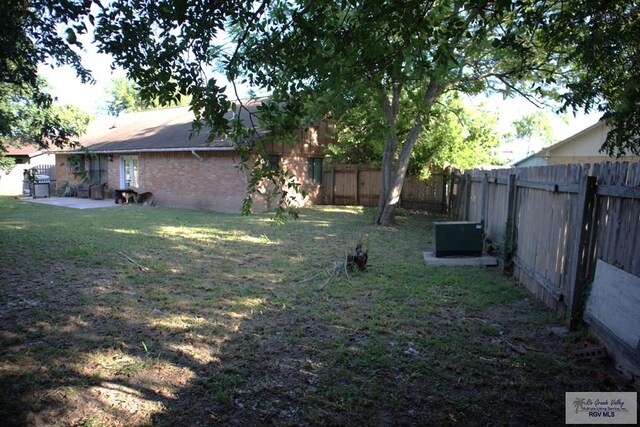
{"x":72,"y":202}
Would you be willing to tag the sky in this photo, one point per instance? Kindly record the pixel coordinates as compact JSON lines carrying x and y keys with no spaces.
{"x":68,"y":89}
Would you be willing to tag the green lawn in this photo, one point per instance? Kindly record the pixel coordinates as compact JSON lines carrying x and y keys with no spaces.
{"x":224,"y":319}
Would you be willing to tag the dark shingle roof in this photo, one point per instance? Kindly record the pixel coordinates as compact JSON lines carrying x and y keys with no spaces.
{"x":154,"y":130}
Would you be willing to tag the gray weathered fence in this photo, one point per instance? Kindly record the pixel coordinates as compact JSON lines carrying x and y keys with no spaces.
{"x":552,"y":223}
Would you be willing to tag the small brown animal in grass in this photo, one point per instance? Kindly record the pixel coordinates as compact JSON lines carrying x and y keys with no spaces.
{"x":358,"y":258}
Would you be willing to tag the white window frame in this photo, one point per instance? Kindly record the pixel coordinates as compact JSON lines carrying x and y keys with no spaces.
{"x":132,"y":171}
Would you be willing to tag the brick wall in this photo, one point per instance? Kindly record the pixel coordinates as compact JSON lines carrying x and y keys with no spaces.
{"x":182,"y":180}
{"x":295,"y":158}
{"x":214,"y":183}
{"x":63,"y":173}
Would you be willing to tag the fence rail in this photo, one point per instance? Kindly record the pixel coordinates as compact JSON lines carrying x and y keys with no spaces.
{"x":554,"y":222}
{"x":359,"y":185}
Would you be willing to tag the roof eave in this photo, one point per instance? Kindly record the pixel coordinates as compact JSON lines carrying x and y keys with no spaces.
{"x":546,"y":152}
{"x":148,"y":150}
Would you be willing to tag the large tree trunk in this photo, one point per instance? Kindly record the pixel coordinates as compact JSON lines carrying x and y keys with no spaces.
{"x":390,"y":109}
{"x":391,"y":185}
{"x":387,"y":215}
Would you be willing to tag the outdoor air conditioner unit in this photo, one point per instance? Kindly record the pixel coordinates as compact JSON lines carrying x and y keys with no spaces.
{"x":457,"y":238}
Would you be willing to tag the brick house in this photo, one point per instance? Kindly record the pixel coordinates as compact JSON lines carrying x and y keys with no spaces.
{"x":152,"y":151}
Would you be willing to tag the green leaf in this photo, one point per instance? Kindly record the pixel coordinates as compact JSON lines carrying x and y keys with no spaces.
{"x":71,"y":36}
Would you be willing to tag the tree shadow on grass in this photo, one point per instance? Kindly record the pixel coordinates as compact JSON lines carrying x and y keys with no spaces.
{"x":110,"y":344}
{"x":89,"y":337}
{"x":228,"y":326}
{"x":98,"y":363}
{"x":330,"y":359}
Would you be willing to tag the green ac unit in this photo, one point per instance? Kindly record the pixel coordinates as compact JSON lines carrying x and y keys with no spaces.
{"x":457,"y":238}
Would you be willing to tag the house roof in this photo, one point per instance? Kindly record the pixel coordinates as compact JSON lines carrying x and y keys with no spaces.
{"x":158,"y":130}
{"x":530,"y":160}
{"x":25,"y":150}
{"x":545,"y":152}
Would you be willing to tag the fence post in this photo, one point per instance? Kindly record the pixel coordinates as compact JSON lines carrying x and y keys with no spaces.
{"x":579,"y":267}
{"x":509,"y":229}
{"x":357,"y":185}
{"x":444,"y":193}
{"x":449,"y":181}
{"x":333,"y":185}
{"x":483,"y":207}
{"x":467,"y":195}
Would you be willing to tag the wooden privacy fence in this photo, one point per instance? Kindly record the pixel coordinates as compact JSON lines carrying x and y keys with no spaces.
{"x":551,"y":223}
{"x":359,"y":185}
{"x":49,"y":170}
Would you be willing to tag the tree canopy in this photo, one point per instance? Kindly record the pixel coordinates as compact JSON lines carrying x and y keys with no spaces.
{"x":458,"y":137}
{"x":124,"y":95}
{"x":6,"y":163}
{"x":534,"y":126}
{"x":603,"y":65}
{"x":402,"y":57}
{"x":25,"y":122}
{"x":32,"y":33}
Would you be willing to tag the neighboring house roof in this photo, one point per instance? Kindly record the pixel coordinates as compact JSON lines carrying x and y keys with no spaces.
{"x":529,"y":161}
{"x":25,"y":150}
{"x":159,"y":130}
{"x":600,"y":126}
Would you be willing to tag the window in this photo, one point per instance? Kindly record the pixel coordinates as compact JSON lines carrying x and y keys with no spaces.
{"x":98,"y":169}
{"x":274,"y":162}
{"x":314,"y":170}
{"x":76,"y":164}
{"x":128,"y":171}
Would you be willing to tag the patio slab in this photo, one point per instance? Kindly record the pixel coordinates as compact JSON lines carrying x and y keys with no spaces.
{"x":72,"y":202}
{"x":484,"y":260}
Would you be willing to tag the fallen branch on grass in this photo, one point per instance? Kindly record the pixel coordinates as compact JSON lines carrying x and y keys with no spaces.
{"x":519,"y":348}
{"x":337,"y":269}
{"x":131,"y":260}
{"x":515,"y":347}
{"x":356,"y":259}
